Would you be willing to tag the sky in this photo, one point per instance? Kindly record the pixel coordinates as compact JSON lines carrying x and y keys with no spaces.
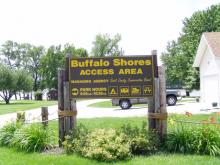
{"x":144,"y":25}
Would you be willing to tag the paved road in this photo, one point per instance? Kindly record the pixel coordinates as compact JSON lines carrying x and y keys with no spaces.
{"x":87,"y":112}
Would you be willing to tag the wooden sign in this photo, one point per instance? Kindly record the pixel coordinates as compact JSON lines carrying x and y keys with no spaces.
{"x":112,"y":77}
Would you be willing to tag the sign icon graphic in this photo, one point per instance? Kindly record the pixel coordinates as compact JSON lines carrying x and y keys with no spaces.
{"x":135,"y":90}
{"x":124,"y":91}
{"x":113,"y":91}
{"x":147,"y":90}
{"x":75,"y":91}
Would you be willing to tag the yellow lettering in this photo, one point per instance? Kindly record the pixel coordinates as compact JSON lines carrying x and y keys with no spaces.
{"x":97,"y":72}
{"x":139,"y":71}
{"x":132,"y":71}
{"x":74,"y":63}
{"x":126,"y":62}
{"x":82,"y":72}
{"x":148,"y":62}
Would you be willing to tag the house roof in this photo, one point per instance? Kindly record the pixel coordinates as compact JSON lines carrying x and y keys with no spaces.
{"x":209,"y":40}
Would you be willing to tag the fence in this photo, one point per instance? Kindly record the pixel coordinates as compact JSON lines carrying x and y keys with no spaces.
{"x":42,"y":118}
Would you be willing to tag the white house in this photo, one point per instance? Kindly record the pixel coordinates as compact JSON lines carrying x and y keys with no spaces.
{"x":208,"y":61}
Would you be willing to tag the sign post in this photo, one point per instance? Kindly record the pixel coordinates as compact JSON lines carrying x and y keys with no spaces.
{"x":157,"y":112}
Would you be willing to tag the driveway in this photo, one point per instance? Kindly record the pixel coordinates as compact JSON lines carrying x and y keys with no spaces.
{"x":180,"y":108}
{"x":87,"y":112}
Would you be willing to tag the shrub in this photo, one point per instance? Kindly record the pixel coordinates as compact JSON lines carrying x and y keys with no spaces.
{"x":7,"y":133}
{"x":111,"y":145}
{"x":141,"y":140}
{"x":76,"y":139}
{"x":196,"y":140}
{"x":32,"y":138}
{"x":106,"y":145}
{"x":38,"y":95}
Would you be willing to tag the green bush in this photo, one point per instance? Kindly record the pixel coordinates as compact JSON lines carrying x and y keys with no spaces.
{"x":100,"y":144}
{"x":106,"y":145}
{"x":38,"y":95}
{"x":7,"y":133}
{"x":32,"y":138}
{"x":76,"y":139}
{"x":111,"y":145}
{"x":141,"y":140}
{"x":194,"y":140}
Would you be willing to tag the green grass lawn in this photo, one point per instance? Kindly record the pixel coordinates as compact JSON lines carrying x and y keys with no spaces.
{"x":11,"y":157}
{"x":117,"y":122}
{"x":8,"y":156}
{"x":22,"y":105}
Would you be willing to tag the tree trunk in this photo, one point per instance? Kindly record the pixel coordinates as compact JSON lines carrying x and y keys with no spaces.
{"x":20,"y":95}
{"x":35,"y":83}
{"x":7,"y":101}
{"x":15,"y":96}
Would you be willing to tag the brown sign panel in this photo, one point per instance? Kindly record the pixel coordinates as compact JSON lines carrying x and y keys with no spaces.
{"x":112,"y":77}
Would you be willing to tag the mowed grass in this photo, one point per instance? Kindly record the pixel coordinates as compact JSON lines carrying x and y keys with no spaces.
{"x":117,"y":122}
{"x":9,"y":156}
{"x":22,"y":105}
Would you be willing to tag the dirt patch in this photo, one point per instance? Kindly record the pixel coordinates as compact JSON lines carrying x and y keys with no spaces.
{"x":54,"y":151}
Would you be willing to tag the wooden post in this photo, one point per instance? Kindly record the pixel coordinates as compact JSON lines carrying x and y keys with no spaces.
{"x":69,"y":104}
{"x":157,"y":102}
{"x":21,"y":116}
{"x":67,"y":107}
{"x":61,"y":79}
{"x":157,"y":113}
{"x":152,"y":101}
{"x":74,"y":109}
{"x":151,"y":108}
{"x":162,"y":125}
{"x":44,"y":115}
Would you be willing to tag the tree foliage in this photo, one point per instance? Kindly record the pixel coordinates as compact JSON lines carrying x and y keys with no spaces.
{"x":50,"y":63}
{"x":104,"y":45}
{"x":10,"y":52}
{"x":40,"y":63}
{"x":24,"y":81}
{"x":23,"y":56}
{"x":179,"y":56}
{"x":54,"y":59}
{"x":34,"y":55}
{"x":12,"y":81}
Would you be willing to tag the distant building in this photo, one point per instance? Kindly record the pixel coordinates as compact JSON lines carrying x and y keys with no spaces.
{"x":208,"y":61}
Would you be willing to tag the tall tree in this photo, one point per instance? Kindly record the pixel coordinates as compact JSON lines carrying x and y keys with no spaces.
{"x":9,"y":53}
{"x":12,"y":81}
{"x":24,"y":82}
{"x":23,"y":56}
{"x":50,"y":63}
{"x":8,"y":81}
{"x":180,"y":54}
{"x":81,"y":52}
{"x":56,"y":58}
{"x":34,"y":55}
{"x":104,"y":45}
{"x":69,"y":49}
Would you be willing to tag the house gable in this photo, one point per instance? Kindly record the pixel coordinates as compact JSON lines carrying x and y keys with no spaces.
{"x":209,"y":41}
{"x":208,"y":65}
{"x":208,"y":61}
